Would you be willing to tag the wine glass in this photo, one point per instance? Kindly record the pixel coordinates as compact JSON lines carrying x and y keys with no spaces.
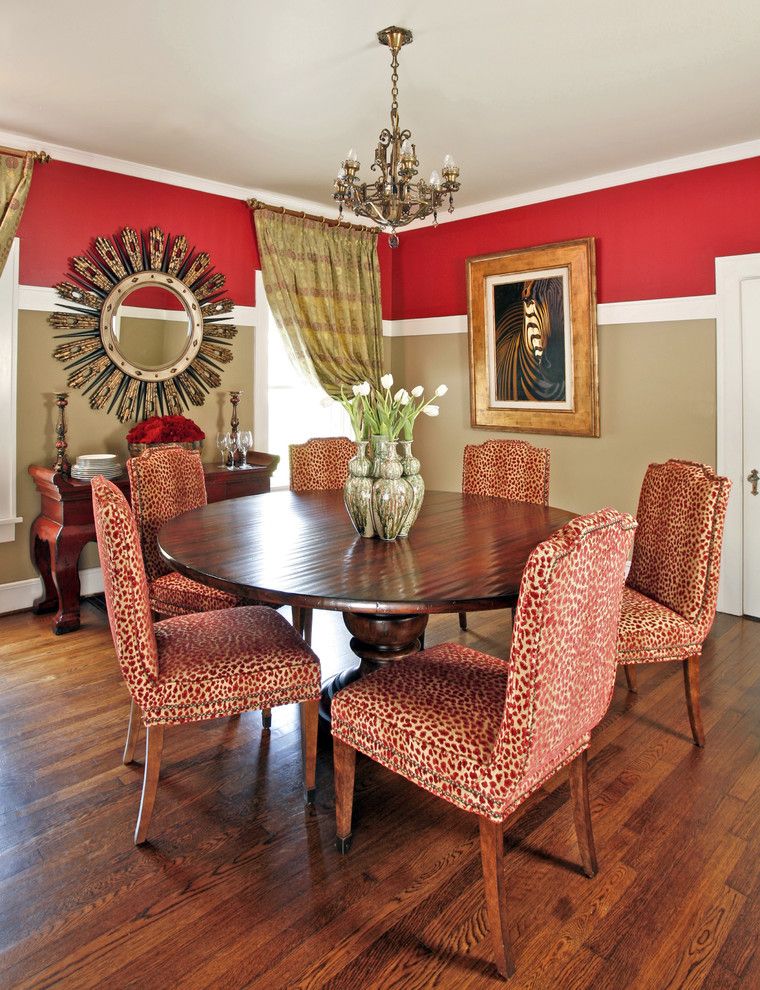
{"x":223,"y":446}
{"x":244,"y":444}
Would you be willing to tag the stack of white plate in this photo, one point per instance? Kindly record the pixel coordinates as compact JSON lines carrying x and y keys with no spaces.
{"x":88,"y":465}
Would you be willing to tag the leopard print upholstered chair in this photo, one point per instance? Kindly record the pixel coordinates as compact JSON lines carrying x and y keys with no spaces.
{"x":484,"y":734}
{"x":165,"y":482}
{"x":512,"y":469}
{"x":190,"y":668}
{"x":672,"y":587}
{"x":319,"y":465}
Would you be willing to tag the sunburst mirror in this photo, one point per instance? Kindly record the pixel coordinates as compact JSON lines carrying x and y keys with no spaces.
{"x":146,"y":324}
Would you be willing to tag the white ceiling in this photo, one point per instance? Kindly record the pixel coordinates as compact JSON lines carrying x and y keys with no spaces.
{"x":271,"y":95}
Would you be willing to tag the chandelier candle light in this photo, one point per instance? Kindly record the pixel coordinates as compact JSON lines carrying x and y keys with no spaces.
{"x":395,"y":198}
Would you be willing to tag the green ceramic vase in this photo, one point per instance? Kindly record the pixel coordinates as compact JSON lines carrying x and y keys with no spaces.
{"x":357,"y":491}
{"x":392,"y":495}
{"x":411,"y":468}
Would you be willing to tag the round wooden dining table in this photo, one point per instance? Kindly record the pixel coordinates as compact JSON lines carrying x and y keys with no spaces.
{"x":464,"y":553}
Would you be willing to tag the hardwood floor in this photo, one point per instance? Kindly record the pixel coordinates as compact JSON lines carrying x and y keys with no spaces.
{"x":241,"y":885}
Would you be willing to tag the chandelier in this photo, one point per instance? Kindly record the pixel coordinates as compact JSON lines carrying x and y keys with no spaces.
{"x":395,"y":198}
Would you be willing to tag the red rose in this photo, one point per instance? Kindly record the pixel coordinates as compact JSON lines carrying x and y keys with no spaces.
{"x":165,"y":429}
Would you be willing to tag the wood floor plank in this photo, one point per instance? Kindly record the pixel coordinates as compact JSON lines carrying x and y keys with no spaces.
{"x":240,"y":886}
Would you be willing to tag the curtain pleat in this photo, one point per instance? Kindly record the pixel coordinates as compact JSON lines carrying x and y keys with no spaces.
{"x":15,"y":179}
{"x":323,"y":286}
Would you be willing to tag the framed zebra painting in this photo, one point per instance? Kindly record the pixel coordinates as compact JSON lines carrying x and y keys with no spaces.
{"x":532,"y":330}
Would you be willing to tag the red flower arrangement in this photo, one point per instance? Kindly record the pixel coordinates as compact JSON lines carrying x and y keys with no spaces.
{"x":165,"y":429}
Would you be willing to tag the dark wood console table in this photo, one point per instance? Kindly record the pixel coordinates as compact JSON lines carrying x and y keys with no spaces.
{"x":65,"y":525}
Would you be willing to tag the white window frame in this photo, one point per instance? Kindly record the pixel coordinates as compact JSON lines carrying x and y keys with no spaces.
{"x":260,"y":364}
{"x":9,"y":300}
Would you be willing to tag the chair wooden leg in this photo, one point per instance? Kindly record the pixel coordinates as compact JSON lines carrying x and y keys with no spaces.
{"x":344,"y":766}
{"x":631,"y":677}
{"x":492,"y":856}
{"x":296,"y":618}
{"x":266,"y":718}
{"x":133,"y":733}
{"x":307,"y":615}
{"x":463,"y":621}
{"x":691,"y":684}
{"x":309,"y":711}
{"x":154,"y":745}
{"x":582,"y":813}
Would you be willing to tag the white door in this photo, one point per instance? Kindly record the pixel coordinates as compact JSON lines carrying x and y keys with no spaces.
{"x":751,"y":445}
{"x":738,"y":366}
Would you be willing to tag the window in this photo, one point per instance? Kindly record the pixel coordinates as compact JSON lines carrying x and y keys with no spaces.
{"x":287,"y":408}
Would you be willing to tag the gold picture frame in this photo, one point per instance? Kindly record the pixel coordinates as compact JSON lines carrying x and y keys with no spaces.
{"x":531,"y":317}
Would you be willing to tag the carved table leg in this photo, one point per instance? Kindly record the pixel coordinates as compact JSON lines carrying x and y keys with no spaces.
{"x":41,"y":540}
{"x":66,"y":574}
{"x":376,"y":640}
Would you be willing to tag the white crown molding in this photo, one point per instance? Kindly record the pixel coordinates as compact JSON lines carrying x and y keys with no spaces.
{"x":18,"y":595}
{"x":607,"y":314}
{"x":652,"y":170}
{"x":44,"y":299}
{"x":91,"y":159}
{"x":622,"y":177}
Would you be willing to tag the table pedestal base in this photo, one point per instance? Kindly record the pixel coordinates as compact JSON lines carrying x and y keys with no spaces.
{"x":377,"y":640}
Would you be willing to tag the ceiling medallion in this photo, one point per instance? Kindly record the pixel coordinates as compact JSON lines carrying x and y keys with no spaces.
{"x":395,"y":199}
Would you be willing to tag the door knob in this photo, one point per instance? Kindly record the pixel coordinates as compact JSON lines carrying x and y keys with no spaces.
{"x":753,"y":477}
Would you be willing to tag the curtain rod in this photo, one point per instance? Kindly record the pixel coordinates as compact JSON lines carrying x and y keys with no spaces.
{"x":256,"y":204}
{"x":38,"y":156}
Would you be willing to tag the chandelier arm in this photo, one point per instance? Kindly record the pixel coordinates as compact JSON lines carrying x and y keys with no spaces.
{"x":394,"y":199}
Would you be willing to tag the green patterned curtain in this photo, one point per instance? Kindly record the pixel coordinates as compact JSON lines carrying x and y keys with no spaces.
{"x":15,"y":179}
{"x":323,"y":285}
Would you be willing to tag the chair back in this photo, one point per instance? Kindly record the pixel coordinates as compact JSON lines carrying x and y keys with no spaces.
{"x":125,"y":584}
{"x":511,"y":469}
{"x":676,"y":553}
{"x":165,"y":482}
{"x":563,"y":659}
{"x":320,"y":464}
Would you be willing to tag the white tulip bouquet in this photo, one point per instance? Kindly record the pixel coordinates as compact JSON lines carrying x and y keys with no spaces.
{"x":376,"y":412}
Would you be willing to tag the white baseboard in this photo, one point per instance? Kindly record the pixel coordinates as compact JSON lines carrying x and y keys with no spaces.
{"x":18,"y":595}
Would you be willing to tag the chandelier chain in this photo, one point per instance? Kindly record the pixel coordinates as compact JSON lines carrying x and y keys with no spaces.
{"x":394,"y":88}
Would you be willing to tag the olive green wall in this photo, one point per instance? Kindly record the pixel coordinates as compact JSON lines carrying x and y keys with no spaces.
{"x":90,"y":431}
{"x":657,"y":393}
{"x":657,"y":400}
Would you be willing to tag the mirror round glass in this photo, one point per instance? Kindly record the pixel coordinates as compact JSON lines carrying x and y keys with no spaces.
{"x":151,"y":328}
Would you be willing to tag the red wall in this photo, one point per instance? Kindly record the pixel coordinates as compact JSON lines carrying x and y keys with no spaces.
{"x":69,"y":205}
{"x":654,"y":239}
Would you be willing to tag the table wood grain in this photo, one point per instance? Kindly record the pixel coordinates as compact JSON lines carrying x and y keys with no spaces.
{"x":465,"y":552}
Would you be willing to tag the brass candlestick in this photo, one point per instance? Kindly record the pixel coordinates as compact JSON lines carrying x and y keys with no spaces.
{"x":62,"y":463}
{"x":234,"y":456}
